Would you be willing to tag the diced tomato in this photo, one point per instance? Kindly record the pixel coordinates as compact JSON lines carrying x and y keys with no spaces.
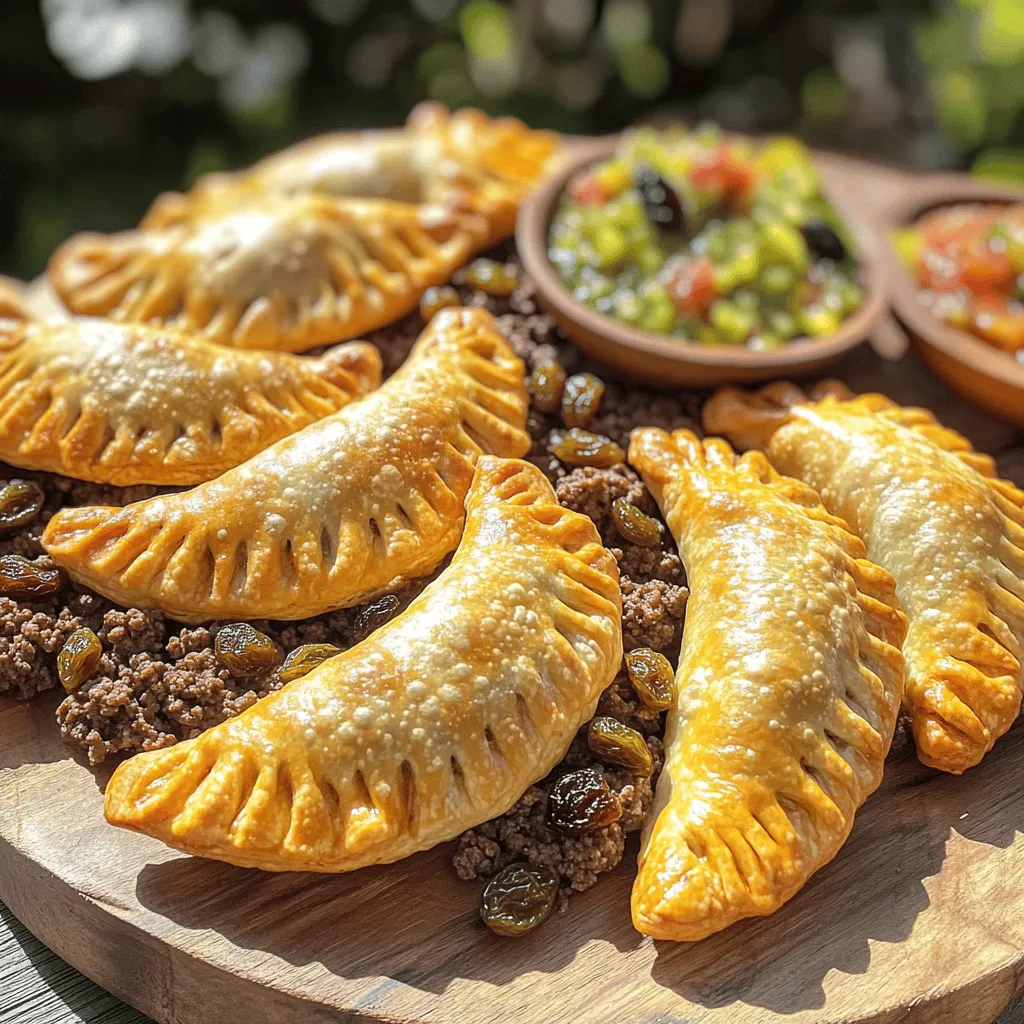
{"x":692,"y":287}
{"x":586,"y":190}
{"x":985,"y":270}
{"x":723,"y":171}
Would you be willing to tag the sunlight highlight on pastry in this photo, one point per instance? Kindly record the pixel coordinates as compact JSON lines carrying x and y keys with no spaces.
{"x":934,"y":513}
{"x":437,"y":722}
{"x":130,"y":404}
{"x":787,"y":691}
{"x":351,"y":506}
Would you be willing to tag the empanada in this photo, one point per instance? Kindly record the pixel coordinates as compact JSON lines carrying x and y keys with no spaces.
{"x":12,"y":304}
{"x":345,"y":509}
{"x":279,"y":273}
{"x":437,"y":722}
{"x":129,"y":404}
{"x":788,"y":689}
{"x":932,"y":511}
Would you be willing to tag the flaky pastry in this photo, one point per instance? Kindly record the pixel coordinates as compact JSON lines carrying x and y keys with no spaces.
{"x":436,"y":722}
{"x":129,"y":404}
{"x":343,"y":510}
{"x":278,"y":273}
{"x":933,"y":512}
{"x":787,"y":691}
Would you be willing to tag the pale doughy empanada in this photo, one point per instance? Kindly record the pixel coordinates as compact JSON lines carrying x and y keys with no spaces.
{"x":345,"y":509}
{"x":129,"y":404}
{"x":277,"y":273}
{"x":788,"y":689}
{"x":437,"y":722}
{"x":933,"y":512}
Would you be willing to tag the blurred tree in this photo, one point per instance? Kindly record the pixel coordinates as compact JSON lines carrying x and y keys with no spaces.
{"x":107,"y":102}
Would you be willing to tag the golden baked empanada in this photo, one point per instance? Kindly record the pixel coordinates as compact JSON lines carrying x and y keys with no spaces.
{"x":345,"y":509}
{"x":463,"y":161}
{"x":787,"y":692}
{"x":437,"y":722}
{"x":932,"y":511}
{"x":129,"y":404}
{"x":279,"y":273}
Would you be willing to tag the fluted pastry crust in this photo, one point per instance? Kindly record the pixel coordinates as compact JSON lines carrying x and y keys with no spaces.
{"x":788,"y":689}
{"x":345,"y":509}
{"x":129,"y":404}
{"x":933,"y":512}
{"x":437,"y":722}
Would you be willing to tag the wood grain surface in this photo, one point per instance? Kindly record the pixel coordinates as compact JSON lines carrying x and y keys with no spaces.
{"x":919,"y":919}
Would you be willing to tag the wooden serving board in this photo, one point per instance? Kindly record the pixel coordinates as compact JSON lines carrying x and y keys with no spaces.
{"x":919,"y":919}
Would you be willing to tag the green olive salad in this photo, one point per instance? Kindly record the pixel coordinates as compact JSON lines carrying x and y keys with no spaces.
{"x":713,"y":239}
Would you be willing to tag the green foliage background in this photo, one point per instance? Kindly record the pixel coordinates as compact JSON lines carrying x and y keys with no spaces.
{"x":929,"y":83}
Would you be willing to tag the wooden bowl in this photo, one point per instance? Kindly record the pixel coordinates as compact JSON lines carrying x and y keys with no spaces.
{"x":658,"y":358}
{"x":984,"y":375}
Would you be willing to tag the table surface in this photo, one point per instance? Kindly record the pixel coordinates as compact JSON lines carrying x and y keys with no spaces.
{"x":37,"y":987}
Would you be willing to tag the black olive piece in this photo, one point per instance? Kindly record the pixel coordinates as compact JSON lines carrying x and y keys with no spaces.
{"x":662,"y":204}
{"x":822,"y":240}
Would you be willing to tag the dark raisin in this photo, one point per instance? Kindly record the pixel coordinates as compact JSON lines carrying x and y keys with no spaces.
{"x":79,"y":658}
{"x":492,"y":277}
{"x":635,"y":525}
{"x":304,"y":659}
{"x":19,"y":578}
{"x":546,"y":385}
{"x":518,"y":898}
{"x":437,"y":298}
{"x":373,"y":615}
{"x":652,"y":677}
{"x":822,"y":240}
{"x":581,"y":399}
{"x":612,"y":741}
{"x":20,"y":502}
{"x":582,"y":448}
{"x":581,"y":802}
{"x":662,"y":204}
{"x":244,"y":651}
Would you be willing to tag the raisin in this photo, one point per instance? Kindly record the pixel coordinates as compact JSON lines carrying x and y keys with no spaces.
{"x":374,"y":615}
{"x":244,"y":651}
{"x":304,"y":659}
{"x":19,"y":578}
{"x":79,"y":658}
{"x":652,"y":677}
{"x":20,"y":502}
{"x":437,"y":298}
{"x":518,"y":898}
{"x":636,"y":526}
{"x":822,"y":240}
{"x":662,"y":204}
{"x":546,"y":385}
{"x":612,"y":741}
{"x":492,"y":277}
{"x":582,"y":448}
{"x":581,"y":802}
{"x":581,"y":399}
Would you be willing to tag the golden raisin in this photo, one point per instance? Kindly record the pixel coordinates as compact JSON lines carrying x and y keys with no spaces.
{"x":582,"y":448}
{"x":79,"y":658}
{"x":636,"y":526}
{"x":304,"y":659}
{"x":612,"y":741}
{"x":492,"y":277}
{"x":652,"y":677}
{"x":581,"y":399}
{"x":581,"y":802}
{"x":437,"y":298}
{"x":518,"y":898}
{"x":373,"y":615}
{"x":20,"y":578}
{"x":546,"y":385}
{"x":20,"y":502}
{"x":243,"y":650}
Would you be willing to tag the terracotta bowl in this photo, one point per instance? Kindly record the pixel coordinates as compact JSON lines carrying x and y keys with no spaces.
{"x":663,"y":360}
{"x":984,"y":375}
